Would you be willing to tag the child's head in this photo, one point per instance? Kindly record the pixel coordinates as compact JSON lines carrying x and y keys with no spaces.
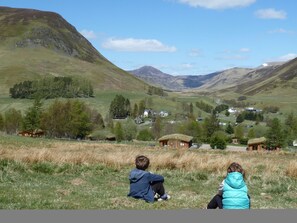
{"x":236,"y":167}
{"x":142,"y":162}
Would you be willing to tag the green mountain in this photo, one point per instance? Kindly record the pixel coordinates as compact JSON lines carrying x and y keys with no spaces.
{"x":34,"y":44}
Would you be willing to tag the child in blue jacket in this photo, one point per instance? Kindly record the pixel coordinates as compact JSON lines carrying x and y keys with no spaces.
{"x":233,"y":192}
{"x":145,"y":185}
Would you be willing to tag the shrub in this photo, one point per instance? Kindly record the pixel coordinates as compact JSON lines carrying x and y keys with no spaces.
{"x":218,"y":141}
{"x":145,"y":135}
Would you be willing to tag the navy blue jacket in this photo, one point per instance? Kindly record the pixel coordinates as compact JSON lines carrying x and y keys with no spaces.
{"x":140,"y":187}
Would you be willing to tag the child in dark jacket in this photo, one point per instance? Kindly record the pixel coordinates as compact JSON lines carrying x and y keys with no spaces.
{"x":145,"y":185}
{"x":233,"y":192}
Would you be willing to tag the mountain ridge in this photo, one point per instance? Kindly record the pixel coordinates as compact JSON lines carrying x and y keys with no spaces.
{"x":247,"y":81}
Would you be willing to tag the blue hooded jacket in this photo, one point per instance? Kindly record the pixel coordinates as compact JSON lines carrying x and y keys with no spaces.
{"x":235,"y":192}
{"x":140,"y":187}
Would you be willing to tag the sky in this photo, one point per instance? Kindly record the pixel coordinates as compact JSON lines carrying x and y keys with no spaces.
{"x":181,"y":37}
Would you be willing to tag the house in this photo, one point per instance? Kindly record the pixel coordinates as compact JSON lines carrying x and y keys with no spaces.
{"x":35,"y":133}
{"x":147,"y":113}
{"x":256,"y":144}
{"x":163,"y":114}
{"x":232,"y":110}
{"x":176,"y":141}
{"x":295,"y":143}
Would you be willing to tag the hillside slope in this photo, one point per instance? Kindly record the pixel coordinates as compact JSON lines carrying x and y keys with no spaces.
{"x":35,"y":43}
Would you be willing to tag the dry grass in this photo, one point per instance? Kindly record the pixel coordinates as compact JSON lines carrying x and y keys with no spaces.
{"x":119,"y":155}
{"x":291,"y":169}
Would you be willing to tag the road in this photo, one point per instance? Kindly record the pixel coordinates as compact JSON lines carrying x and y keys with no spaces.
{"x":229,"y":147}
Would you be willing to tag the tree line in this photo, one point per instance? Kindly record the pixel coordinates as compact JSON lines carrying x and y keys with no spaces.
{"x":62,"y":119}
{"x":75,"y":119}
{"x":53,"y":87}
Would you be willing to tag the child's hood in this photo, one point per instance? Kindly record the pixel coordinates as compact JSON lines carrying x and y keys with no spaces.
{"x":136,"y":174}
{"x":235,"y":180}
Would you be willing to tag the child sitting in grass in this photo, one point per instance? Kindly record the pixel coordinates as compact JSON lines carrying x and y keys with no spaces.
{"x":145,"y":185}
{"x":233,"y":192}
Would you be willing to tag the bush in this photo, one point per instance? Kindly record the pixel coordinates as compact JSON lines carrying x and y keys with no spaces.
{"x":218,"y":141}
{"x":145,"y":135}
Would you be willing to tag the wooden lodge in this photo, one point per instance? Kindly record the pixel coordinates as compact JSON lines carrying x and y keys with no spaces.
{"x":35,"y":133}
{"x":257,"y":144}
{"x":176,"y":141}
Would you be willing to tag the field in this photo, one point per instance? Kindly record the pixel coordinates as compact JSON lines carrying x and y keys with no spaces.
{"x":57,"y":174}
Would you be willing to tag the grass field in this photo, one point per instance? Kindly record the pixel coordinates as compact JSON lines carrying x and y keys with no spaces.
{"x":57,"y":174}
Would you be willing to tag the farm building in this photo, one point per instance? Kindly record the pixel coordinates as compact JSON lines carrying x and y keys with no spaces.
{"x":257,"y":144}
{"x":176,"y":141}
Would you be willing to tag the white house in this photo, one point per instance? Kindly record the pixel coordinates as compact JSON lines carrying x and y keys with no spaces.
{"x":163,"y":113}
{"x":295,"y":143}
{"x":232,"y":110}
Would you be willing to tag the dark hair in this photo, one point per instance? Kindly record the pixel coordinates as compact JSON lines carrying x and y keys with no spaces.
{"x":236,"y":167}
{"x":142,"y":162}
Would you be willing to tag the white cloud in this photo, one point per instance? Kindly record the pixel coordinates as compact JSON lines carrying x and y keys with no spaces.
{"x":218,"y":4}
{"x":281,"y":31}
{"x":289,"y":56}
{"x":89,"y":34}
{"x":137,"y":45}
{"x":271,"y":14}
{"x":244,"y":50}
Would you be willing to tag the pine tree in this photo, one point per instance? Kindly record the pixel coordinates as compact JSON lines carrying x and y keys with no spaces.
{"x":275,"y":134}
{"x":32,"y":117}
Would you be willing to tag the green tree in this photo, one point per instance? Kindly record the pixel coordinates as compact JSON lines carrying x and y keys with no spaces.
{"x":31,"y":120}
{"x":291,"y":128}
{"x":1,"y":122}
{"x":119,"y":107}
{"x":80,"y":123}
{"x":192,"y":128}
{"x":55,"y":119}
{"x":251,"y":133}
{"x":240,"y":118}
{"x":12,"y":121}
{"x":275,"y":134}
{"x":239,"y":132}
{"x":218,"y":141}
{"x":229,"y":129}
{"x":71,"y":119}
{"x":118,"y":131}
{"x":141,"y":107}
{"x":157,"y":127}
{"x":145,"y":135}
{"x":96,"y":119}
{"x":135,"y":111}
{"x":210,"y":125}
{"x":191,"y":108}
{"x":129,"y":130}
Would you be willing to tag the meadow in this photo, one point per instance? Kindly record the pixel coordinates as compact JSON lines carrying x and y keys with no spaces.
{"x":59,"y":174}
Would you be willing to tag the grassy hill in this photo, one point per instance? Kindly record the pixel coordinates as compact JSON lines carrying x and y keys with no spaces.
{"x":34,"y":44}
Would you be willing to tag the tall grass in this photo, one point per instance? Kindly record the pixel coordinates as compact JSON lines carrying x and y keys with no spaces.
{"x":77,"y":175}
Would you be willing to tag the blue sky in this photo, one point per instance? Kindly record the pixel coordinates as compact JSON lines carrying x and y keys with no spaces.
{"x":182,"y":37}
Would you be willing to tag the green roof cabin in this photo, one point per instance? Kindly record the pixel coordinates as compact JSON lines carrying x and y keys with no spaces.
{"x":176,"y":141}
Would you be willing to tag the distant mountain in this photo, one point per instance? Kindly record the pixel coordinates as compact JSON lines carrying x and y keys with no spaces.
{"x":175,"y":83}
{"x":36,"y":43}
{"x":269,"y":78}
